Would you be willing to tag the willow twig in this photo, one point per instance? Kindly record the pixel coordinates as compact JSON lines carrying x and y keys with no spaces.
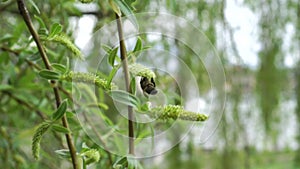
{"x":25,"y":14}
{"x":127,"y":83}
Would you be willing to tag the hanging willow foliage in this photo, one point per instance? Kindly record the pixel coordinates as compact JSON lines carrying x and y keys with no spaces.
{"x":297,"y":77}
{"x":270,"y":76}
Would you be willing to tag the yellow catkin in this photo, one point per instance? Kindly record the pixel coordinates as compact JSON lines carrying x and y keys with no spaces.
{"x":64,"y":40}
{"x":88,"y":78}
{"x":140,"y":70}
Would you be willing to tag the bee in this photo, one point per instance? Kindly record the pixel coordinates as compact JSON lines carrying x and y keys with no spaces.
{"x":148,"y":86}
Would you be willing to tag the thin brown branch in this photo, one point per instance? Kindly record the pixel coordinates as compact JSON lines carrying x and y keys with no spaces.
{"x":4,"y":7}
{"x":127,"y":83}
{"x":30,"y":107}
{"x":4,"y":48}
{"x":25,"y":14}
{"x":17,"y":53}
{"x":27,"y":105}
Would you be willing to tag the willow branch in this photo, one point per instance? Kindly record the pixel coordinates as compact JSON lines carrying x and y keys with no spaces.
{"x":27,"y":105}
{"x":127,"y":83}
{"x":25,"y":14}
{"x":30,"y":107}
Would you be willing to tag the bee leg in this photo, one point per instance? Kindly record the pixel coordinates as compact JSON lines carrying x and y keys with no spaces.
{"x":146,"y":94}
{"x":154,"y":92}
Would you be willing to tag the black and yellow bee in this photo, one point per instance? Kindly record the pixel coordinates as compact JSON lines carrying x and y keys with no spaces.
{"x":148,"y":86}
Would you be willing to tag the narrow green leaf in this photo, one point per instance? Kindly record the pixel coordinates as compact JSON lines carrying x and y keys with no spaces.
{"x":138,"y":45}
{"x":112,"y":56}
{"x":133,"y":86}
{"x":131,"y":3}
{"x":56,"y":28}
{"x":41,"y":22}
{"x":70,"y":114}
{"x":132,"y":162}
{"x":127,"y":11}
{"x":49,"y":74}
{"x":6,"y":37}
{"x":60,"y":128}
{"x":5,"y":87}
{"x":43,"y":32}
{"x":61,"y":110}
{"x":106,"y":48}
{"x":121,"y":162}
{"x":103,"y":106}
{"x":59,"y":67}
{"x":63,"y":153}
{"x":34,"y":6}
{"x":115,"y":8}
{"x":125,"y":98}
{"x":112,"y":74}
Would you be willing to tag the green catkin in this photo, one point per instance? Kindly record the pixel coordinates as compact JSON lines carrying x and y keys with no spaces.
{"x":64,"y":40}
{"x":88,"y":78}
{"x":174,"y":112}
{"x":36,"y":140}
{"x":140,"y":70}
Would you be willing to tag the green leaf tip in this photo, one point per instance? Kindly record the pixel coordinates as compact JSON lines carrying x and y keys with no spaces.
{"x":61,"y":110}
{"x":49,"y":74}
{"x":115,"y":8}
{"x":125,"y":98}
{"x":37,"y":137}
{"x":137,"y":69}
{"x":88,"y":78}
{"x":59,"y":67}
{"x":138,"y":45}
{"x":112,"y":56}
{"x":176,"y":112}
{"x":125,"y":9}
{"x":59,"y":128}
{"x":55,"y":29}
{"x":63,"y":153}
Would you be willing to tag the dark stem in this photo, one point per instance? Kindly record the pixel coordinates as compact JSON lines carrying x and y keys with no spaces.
{"x":25,"y":14}
{"x":127,"y":83}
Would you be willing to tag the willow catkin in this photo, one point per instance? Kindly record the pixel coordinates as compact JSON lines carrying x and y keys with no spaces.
{"x":88,"y":78}
{"x":36,"y":140}
{"x":176,"y":112}
{"x":141,"y":70}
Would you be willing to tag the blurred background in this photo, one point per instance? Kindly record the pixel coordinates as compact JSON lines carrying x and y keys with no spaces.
{"x":258,"y":43}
